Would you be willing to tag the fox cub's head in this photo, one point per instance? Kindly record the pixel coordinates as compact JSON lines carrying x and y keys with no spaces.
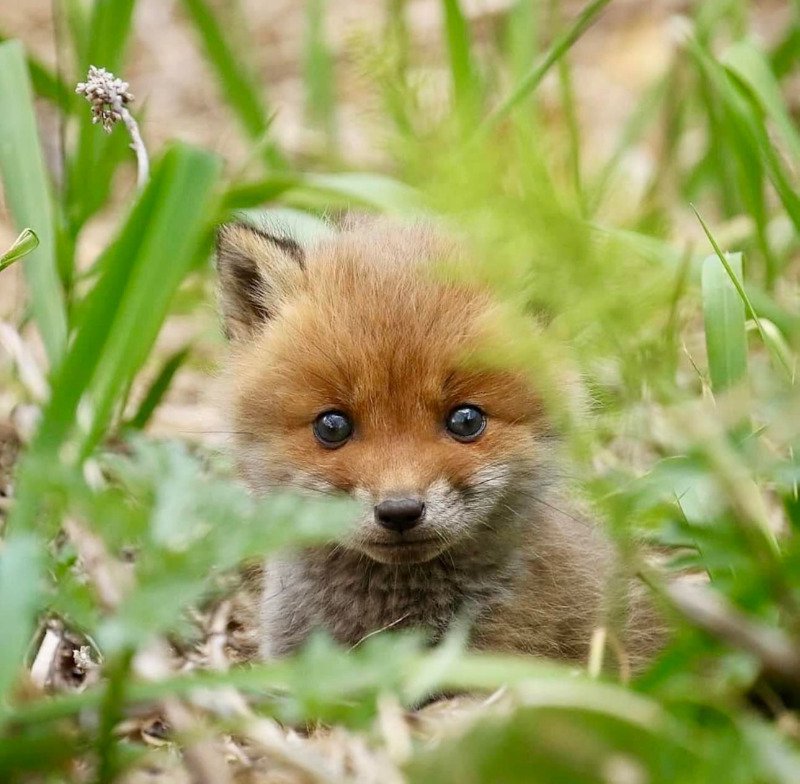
{"x":360,"y":366}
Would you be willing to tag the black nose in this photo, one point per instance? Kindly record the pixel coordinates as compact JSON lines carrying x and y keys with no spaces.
{"x":399,"y":514}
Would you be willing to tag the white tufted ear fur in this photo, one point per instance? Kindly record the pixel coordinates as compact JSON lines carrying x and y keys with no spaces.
{"x":258,"y":272}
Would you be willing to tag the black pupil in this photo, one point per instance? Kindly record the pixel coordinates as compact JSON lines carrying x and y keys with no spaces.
{"x":466,"y":421}
{"x":333,"y":427}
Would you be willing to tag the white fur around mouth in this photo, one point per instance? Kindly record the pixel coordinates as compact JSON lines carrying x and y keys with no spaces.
{"x":403,"y":550}
{"x":403,"y":543}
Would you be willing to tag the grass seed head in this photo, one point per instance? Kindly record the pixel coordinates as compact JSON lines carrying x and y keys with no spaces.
{"x":107,"y":94}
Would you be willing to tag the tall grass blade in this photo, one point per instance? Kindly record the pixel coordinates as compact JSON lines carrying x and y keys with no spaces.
{"x":724,"y":318}
{"x":397,"y":43}
{"x":157,"y":390}
{"x":783,"y":56}
{"x":360,"y":189}
{"x":463,"y":73}
{"x":109,"y":29}
{"x":744,"y":131}
{"x":532,"y":79}
{"x":749,"y":71}
{"x":20,"y":572}
{"x":522,"y":35}
{"x":166,"y":252}
{"x":46,"y":84}
{"x":736,"y":280}
{"x":569,"y":106}
{"x":751,"y":68}
{"x":76,"y":21}
{"x":124,"y":312}
{"x":254,"y":194}
{"x":319,"y":74}
{"x":648,"y":108}
{"x":238,"y":87}
{"x":27,"y":192}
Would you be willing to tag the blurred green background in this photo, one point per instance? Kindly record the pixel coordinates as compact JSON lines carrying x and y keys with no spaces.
{"x":626,"y":170}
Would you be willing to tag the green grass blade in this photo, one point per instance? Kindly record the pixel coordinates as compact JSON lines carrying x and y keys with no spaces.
{"x":396,"y":42}
{"x":741,"y":129}
{"x":165,"y":254}
{"x":749,"y":69}
{"x":320,"y":74}
{"x":645,"y":113}
{"x":254,"y":194}
{"x":787,"y":321}
{"x":569,"y":106}
{"x":20,"y":572}
{"x":747,"y":64}
{"x":94,"y":319}
{"x":238,"y":87}
{"x":463,"y":73}
{"x":26,"y":243}
{"x":124,"y":312}
{"x":110,"y":25}
{"x":522,"y":35}
{"x":782,"y":180}
{"x":777,"y":344}
{"x":724,"y":318}
{"x":48,"y":85}
{"x":157,"y":390}
{"x":782,"y":58}
{"x":540,"y":69}
{"x":92,"y":169}
{"x":359,"y":189}
{"x":322,"y":191}
{"x":27,"y":192}
{"x":736,"y":280}
{"x":76,"y":19}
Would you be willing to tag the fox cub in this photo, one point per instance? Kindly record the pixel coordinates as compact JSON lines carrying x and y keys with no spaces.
{"x":355,"y":369}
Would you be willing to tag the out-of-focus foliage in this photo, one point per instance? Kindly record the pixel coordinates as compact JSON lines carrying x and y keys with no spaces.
{"x":688,"y":350}
{"x":22,"y":246}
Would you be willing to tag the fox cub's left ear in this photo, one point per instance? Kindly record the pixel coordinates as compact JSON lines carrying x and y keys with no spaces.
{"x":257,"y":273}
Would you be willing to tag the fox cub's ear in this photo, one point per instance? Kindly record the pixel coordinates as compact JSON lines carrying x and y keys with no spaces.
{"x":257,"y":273}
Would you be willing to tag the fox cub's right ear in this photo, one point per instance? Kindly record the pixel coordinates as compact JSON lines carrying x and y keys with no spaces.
{"x":257,"y":273}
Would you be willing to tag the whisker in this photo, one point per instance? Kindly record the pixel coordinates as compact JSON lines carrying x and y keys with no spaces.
{"x":541,"y":501}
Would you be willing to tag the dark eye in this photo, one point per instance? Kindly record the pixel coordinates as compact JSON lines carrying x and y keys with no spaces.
{"x":465,"y":423}
{"x":333,"y":428}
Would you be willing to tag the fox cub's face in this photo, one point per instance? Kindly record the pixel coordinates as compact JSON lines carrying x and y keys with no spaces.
{"x":359,"y":367}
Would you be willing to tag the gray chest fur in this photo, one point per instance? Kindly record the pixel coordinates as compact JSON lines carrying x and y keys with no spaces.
{"x":350,"y":596}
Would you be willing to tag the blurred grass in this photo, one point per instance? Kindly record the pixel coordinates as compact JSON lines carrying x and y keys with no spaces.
{"x":96,"y":155}
{"x":724,"y":319}
{"x":118,"y":323}
{"x":158,"y":389}
{"x":20,"y":576}
{"x":26,"y":243}
{"x":28,"y":195}
{"x":237,"y":86}
{"x":531,"y":80}
{"x":633,"y":303}
{"x":320,"y":75}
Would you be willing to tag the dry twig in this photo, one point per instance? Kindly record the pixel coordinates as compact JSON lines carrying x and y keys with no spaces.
{"x":778,"y":654}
